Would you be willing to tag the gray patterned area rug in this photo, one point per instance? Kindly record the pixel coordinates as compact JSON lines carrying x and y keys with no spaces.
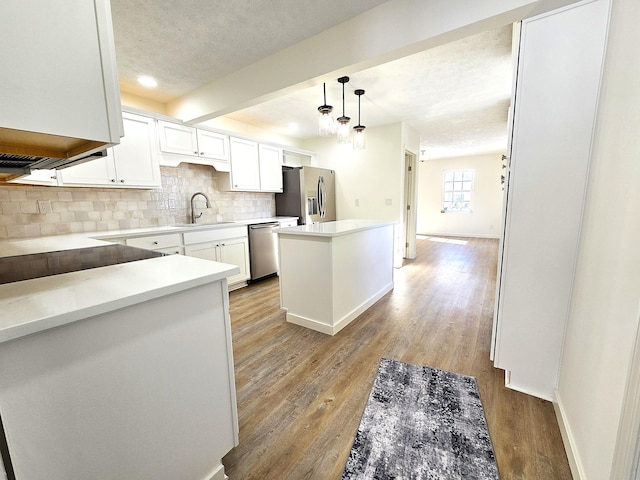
{"x":421,"y":423}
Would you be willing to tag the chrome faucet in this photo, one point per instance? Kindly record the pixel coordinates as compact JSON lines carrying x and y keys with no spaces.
{"x":195,"y":217}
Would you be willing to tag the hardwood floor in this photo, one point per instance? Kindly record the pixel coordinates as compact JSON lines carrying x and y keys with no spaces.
{"x":301,"y":393}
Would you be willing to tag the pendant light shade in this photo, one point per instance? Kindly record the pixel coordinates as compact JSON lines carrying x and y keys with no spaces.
{"x":344,"y":133}
{"x":358,"y":130}
{"x":326,"y":124}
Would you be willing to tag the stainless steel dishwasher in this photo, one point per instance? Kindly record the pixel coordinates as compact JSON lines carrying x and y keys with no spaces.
{"x":263,"y":249}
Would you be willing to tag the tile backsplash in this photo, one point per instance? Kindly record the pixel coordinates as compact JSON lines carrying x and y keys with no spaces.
{"x":34,"y":211}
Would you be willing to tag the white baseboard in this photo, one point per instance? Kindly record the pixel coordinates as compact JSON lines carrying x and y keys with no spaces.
{"x":342,"y":322}
{"x":461,"y":235}
{"x":217,"y":473}
{"x":568,"y":439}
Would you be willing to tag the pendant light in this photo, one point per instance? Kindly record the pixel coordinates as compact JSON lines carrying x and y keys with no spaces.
{"x":326,"y":124}
{"x":358,"y":136}
{"x":343,"y":121}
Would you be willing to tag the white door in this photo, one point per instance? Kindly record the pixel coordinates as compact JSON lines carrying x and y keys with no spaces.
{"x":99,"y":171}
{"x":270,"y":168}
{"x":236,"y":252}
{"x":39,"y":177}
{"x":212,"y":145}
{"x":206,"y":251}
{"x":136,"y":162}
{"x":245,"y":173}
{"x":176,"y":138}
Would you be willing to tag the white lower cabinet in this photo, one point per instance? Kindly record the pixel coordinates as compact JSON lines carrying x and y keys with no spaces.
{"x":226,"y":245}
{"x":133,"y":163}
{"x":168,"y":243}
{"x":233,"y":251}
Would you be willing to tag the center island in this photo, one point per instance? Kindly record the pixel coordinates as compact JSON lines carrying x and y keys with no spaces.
{"x":332,"y":272}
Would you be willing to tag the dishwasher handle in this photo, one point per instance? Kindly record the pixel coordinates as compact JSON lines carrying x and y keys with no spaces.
{"x":257,"y":226}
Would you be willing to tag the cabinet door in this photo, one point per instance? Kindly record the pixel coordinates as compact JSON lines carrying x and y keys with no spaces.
{"x":94,"y":172}
{"x":270,"y":168}
{"x":245,"y":174}
{"x":212,"y":145}
{"x":176,"y":138}
{"x":136,"y":162}
{"x":206,"y":251}
{"x":236,"y":252}
{"x":39,"y":177}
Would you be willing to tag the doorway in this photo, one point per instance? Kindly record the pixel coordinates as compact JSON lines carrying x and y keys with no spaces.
{"x":410,"y":217}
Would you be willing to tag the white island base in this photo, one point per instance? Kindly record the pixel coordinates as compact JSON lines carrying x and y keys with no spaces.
{"x":118,"y":372}
{"x":332,"y":272}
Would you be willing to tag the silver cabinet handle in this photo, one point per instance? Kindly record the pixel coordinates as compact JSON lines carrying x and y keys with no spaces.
{"x":113,"y":180}
{"x":122,"y":180}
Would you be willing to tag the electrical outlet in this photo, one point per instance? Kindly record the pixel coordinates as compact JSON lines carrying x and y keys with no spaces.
{"x":357,"y":202}
{"x":44,"y":206}
{"x":388,"y":201}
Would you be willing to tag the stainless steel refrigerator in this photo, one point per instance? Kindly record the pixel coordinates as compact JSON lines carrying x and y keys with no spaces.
{"x":307,"y":193}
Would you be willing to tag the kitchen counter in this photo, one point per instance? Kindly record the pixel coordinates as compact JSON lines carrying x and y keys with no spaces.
{"x":333,"y":229}
{"x":332,"y":272}
{"x":128,"y":357}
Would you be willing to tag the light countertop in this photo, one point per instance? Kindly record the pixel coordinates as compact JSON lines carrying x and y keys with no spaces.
{"x":333,"y":229}
{"x":38,"y":304}
{"x":41,"y":303}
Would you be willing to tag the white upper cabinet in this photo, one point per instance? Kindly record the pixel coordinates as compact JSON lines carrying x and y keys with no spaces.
{"x":194,"y":145}
{"x":178,"y":139}
{"x":212,"y":145}
{"x":59,"y":76}
{"x":245,"y":168}
{"x":270,"y":168}
{"x":38,"y":177}
{"x":254,"y":167}
{"x":133,"y":163}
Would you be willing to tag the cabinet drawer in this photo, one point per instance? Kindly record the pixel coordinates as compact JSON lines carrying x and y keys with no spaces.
{"x":155,"y":242}
{"x":177,"y":250}
{"x":214,"y":235}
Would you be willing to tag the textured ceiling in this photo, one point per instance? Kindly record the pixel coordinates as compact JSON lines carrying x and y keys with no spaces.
{"x":188,"y":43}
{"x":455,"y":95}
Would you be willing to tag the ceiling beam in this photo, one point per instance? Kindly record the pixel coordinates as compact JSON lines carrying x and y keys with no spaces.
{"x":392,"y":30}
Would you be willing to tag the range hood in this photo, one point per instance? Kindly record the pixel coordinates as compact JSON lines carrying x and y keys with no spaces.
{"x":59,"y":95}
{"x":21,"y":151}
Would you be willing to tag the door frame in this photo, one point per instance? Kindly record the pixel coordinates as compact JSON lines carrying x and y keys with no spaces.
{"x":409,"y":215}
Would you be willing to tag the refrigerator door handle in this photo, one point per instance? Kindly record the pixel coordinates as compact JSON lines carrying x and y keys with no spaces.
{"x":322,"y":196}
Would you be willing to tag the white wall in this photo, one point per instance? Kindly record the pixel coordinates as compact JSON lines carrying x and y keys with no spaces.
{"x":486,"y":199}
{"x":604,"y":315}
{"x":370,"y":182}
{"x":369,"y":177}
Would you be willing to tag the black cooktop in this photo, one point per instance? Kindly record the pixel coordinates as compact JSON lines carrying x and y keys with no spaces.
{"x":26,"y":267}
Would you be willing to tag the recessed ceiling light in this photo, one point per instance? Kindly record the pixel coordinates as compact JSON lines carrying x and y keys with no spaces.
{"x":293,"y":127}
{"x":147,"y":81}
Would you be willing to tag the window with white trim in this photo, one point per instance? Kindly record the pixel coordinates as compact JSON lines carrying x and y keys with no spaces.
{"x":457,"y":186}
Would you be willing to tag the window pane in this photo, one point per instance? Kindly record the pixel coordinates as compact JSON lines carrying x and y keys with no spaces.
{"x":448,"y":176}
{"x":466,"y":186}
{"x":457,"y":175}
{"x":466,"y":196}
{"x":448,"y":196}
{"x":457,"y":186}
{"x":468,"y":175}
